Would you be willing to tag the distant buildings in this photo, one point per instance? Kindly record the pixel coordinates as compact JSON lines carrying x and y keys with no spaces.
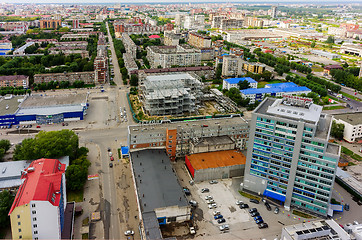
{"x":274,"y":90}
{"x":233,"y":82}
{"x":140,"y":28}
{"x":38,"y":209}
{"x":216,"y":21}
{"x":253,"y":22}
{"x":289,"y":156}
{"x":101,"y":61}
{"x":353,"y":49}
{"x":231,"y":23}
{"x":172,"y":94}
{"x":352,"y":125}
{"x":167,"y":56}
{"x":5,"y":47}
{"x":325,"y":54}
{"x":273,"y":12}
{"x":71,"y":77}
{"x":14,"y":81}
{"x":53,"y":23}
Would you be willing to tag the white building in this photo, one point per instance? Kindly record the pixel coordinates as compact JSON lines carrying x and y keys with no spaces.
{"x":352,"y":125}
{"x":233,"y":82}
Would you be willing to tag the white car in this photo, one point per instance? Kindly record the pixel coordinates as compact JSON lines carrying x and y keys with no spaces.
{"x":213,"y":182}
{"x":129,"y":233}
{"x":208,"y":197}
{"x":213,"y":205}
{"x":192,"y":230}
{"x":224,"y":227}
{"x":238,"y":202}
{"x":210,"y":201}
{"x":216,"y":213}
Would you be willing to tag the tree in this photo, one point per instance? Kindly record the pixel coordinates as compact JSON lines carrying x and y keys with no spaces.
{"x":312,"y":45}
{"x":337,"y":130}
{"x":5,"y":144}
{"x":134,"y":80}
{"x":218,"y":71}
{"x":6,"y":200}
{"x":76,"y":177}
{"x":243,"y":84}
{"x":330,"y":39}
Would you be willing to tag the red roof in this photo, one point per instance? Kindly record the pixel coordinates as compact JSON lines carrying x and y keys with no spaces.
{"x":154,"y":36}
{"x":41,"y":182}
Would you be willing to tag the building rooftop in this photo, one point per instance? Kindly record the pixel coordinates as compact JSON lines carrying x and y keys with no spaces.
{"x":276,"y":88}
{"x":351,"y":118}
{"x":53,"y":100}
{"x":41,"y":182}
{"x":150,"y":223}
{"x":217,"y":140}
{"x":216,"y":159}
{"x":13,"y":77}
{"x":10,"y":106}
{"x":156,"y":181}
{"x":237,"y":80}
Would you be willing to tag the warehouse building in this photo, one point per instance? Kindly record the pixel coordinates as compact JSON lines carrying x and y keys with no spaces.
{"x":160,"y":197}
{"x":325,"y":54}
{"x":215,"y":165}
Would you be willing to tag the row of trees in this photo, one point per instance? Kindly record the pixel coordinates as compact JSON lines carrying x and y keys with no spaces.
{"x":348,"y":77}
{"x":14,"y":91}
{"x":58,"y":85}
{"x":315,"y":87}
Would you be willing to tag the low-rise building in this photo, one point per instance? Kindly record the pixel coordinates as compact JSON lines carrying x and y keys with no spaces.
{"x":74,"y":36}
{"x":274,"y":90}
{"x":14,"y":81}
{"x":233,"y":82}
{"x":66,"y":52}
{"x":352,"y":125}
{"x":327,"y":69}
{"x":167,"y":56}
{"x":325,"y":54}
{"x":253,"y":67}
{"x":71,"y":77}
{"x":349,"y":48}
{"x":5,"y":47}
{"x":38,"y":209}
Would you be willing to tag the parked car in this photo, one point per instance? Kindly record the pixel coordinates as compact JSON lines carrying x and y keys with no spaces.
{"x":112,"y":158}
{"x":218,"y":216}
{"x":224,"y":227}
{"x":259,"y":221}
{"x":204,"y":190}
{"x":238,"y":202}
{"x":253,"y":210}
{"x":111,"y":165}
{"x":257,"y":218}
{"x":254,"y":201}
{"x":213,"y":182}
{"x":254,"y":214}
{"x":110,"y":154}
{"x":38,"y":126}
{"x":213,"y":205}
{"x":216,"y":213}
{"x":263,"y":225}
{"x":243,"y":206}
{"x":208,"y":197}
{"x":346,"y":207}
{"x":187,"y":191}
{"x":129,"y":233}
{"x":109,"y":149}
{"x":192,"y":230}
{"x":193,"y":203}
{"x":268,"y":207}
{"x":221,"y":220}
{"x":210,"y":201}
{"x":276,"y":211}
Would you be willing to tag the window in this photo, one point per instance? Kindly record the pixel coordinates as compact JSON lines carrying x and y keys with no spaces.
{"x":171,"y":219}
{"x":20,"y":236}
{"x":35,"y":225}
{"x":33,"y":212}
{"x":33,"y":205}
{"x":18,"y":216}
{"x":19,"y":223}
{"x":35,"y":232}
{"x":19,"y":229}
{"x":34,"y":219}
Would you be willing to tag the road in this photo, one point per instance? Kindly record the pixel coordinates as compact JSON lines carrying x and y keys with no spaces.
{"x":117,"y":75}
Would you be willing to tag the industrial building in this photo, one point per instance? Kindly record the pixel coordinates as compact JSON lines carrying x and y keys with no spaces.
{"x":178,"y":137}
{"x":325,"y":54}
{"x":289,"y":157}
{"x":327,"y":69}
{"x":352,"y":125}
{"x":275,"y":90}
{"x":161,"y":200}
{"x":71,"y":77}
{"x":233,"y":82}
{"x":38,"y":209}
{"x":173,"y":94}
{"x":354,"y":49}
{"x":14,"y":81}
{"x":215,"y":165}
{"x":167,"y":56}
{"x":320,"y":229}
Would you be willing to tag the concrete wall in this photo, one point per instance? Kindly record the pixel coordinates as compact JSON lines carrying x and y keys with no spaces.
{"x":218,"y":173}
{"x":182,"y":214}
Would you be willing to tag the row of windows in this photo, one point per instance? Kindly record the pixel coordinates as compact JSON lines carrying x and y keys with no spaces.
{"x":313,"y":142}
{"x":265,"y":120}
{"x":312,"y":148}
{"x":311,"y":160}
{"x":256,"y":173}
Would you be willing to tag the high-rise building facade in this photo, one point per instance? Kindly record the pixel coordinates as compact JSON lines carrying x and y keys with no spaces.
{"x":289,"y":157}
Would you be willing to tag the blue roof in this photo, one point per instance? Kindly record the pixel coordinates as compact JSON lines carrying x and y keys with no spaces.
{"x":224,"y":54}
{"x":124,"y":150}
{"x":273,"y":90}
{"x":274,"y":195}
{"x":281,"y":85}
{"x":237,"y":80}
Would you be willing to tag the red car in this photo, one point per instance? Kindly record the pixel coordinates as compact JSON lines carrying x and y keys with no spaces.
{"x":38,"y":126}
{"x":112,"y":158}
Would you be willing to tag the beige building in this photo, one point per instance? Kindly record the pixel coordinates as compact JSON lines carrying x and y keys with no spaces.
{"x":253,"y":67}
{"x":171,"y":39}
{"x":14,"y":81}
{"x":253,"y":22}
{"x":199,"y":40}
{"x":231,"y":23}
{"x":86,"y":77}
{"x":232,"y":65}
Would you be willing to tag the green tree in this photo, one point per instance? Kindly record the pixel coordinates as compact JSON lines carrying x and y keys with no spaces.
{"x":5,"y":144}
{"x":243,"y":84}
{"x":312,"y":45}
{"x":330,"y":39}
{"x":76,"y":177}
{"x":6,"y":200}
{"x":337,"y":130}
{"x":134,"y":80}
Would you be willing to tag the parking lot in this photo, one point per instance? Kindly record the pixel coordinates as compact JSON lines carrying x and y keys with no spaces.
{"x":241,"y":224}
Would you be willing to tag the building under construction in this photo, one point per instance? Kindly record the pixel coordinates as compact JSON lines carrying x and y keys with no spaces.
{"x":172,"y":94}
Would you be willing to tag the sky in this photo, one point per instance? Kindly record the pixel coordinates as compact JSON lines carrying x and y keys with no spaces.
{"x":178,"y":1}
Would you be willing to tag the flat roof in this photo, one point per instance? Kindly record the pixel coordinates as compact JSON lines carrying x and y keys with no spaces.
{"x":216,"y":159}
{"x":176,"y":76}
{"x":214,"y":141}
{"x":12,"y":103}
{"x":156,"y":181}
{"x":237,"y":80}
{"x":49,"y":110}
{"x":54,"y":100}
{"x":351,"y":118}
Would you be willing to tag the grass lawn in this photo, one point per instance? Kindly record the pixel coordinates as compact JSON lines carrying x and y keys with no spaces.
{"x":75,"y":196}
{"x":317,"y":69}
{"x":85,"y":221}
{"x":302,"y":214}
{"x":262,"y":84}
{"x":350,"y":96}
{"x":85,"y":236}
{"x":351,"y":154}
{"x":248,"y":195}
{"x":333,"y":107}
{"x":336,"y":99}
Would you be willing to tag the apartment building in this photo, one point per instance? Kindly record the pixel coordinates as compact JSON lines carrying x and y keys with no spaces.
{"x":129,"y":63}
{"x":289,"y":158}
{"x":67,"y":51}
{"x":71,"y":77}
{"x":216,"y":21}
{"x":14,"y":81}
{"x":253,"y":67}
{"x":177,"y":137}
{"x":140,"y":28}
{"x":232,"y":65}
{"x":171,"y":38}
{"x":352,"y":125}
{"x":253,"y":22}
{"x":74,"y":36}
{"x":38,"y":209}
{"x":199,"y":40}
{"x":50,"y":23}
{"x":130,"y":46}
{"x":231,"y":23}
{"x":167,"y":56}
{"x":5,"y":47}
{"x":172,"y":94}
{"x":101,"y":61}
{"x":74,"y":44}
